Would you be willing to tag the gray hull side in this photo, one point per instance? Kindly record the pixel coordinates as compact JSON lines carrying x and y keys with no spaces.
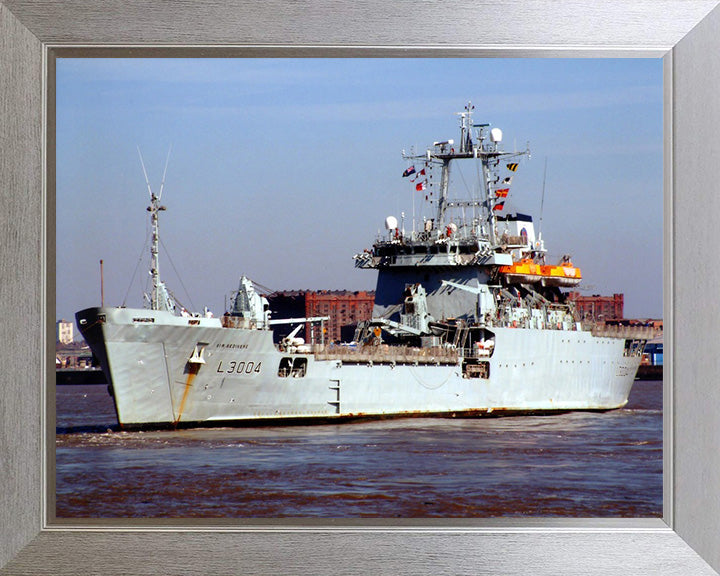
{"x":531,"y":370}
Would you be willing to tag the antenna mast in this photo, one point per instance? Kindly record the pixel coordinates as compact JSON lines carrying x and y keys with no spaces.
{"x":542,"y":200}
{"x":167,"y":160}
{"x":485,"y":147}
{"x":158,"y":301}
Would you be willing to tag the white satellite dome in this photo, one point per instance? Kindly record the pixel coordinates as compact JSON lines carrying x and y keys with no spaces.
{"x":391,"y":223}
{"x":496,"y":135}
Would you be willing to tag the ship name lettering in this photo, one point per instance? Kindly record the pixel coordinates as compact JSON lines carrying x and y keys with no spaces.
{"x":233,"y":346}
{"x":239,"y":367}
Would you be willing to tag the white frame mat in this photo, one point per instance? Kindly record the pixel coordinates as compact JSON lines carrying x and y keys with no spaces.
{"x":686,"y":33}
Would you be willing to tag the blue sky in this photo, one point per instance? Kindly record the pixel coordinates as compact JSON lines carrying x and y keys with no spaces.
{"x":282,"y":169}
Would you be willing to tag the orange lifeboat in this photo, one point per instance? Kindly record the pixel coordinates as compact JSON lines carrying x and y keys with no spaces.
{"x":522,"y":272}
{"x":526,"y":271}
{"x":564,"y":275}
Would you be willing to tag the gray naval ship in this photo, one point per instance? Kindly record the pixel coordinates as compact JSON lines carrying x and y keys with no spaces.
{"x":468,"y":320}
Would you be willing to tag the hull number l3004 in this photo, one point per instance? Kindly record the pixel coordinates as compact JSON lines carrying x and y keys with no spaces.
{"x":235,"y":367}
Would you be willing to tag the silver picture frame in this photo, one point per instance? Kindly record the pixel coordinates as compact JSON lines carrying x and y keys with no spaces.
{"x":685,"y":33}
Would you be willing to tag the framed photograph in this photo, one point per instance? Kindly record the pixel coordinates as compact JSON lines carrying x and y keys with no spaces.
{"x":684,"y":35}
{"x":337,"y":128}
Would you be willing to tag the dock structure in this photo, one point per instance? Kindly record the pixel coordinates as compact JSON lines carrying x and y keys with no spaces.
{"x":620,"y":331}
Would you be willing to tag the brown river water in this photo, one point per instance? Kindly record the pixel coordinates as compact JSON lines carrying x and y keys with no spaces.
{"x":578,"y":464}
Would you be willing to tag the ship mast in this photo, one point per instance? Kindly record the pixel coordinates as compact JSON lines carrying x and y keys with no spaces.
{"x":154,"y":209}
{"x":447,"y":151}
{"x":444,"y":184}
{"x":485,"y":148}
{"x":159,"y":297}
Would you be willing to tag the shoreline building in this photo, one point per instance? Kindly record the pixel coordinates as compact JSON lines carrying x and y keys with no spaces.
{"x":64,"y":332}
{"x":598,"y":308}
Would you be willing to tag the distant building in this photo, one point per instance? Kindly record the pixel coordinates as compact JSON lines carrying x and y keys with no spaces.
{"x":598,"y":308}
{"x":64,"y":332}
{"x":345,"y":309}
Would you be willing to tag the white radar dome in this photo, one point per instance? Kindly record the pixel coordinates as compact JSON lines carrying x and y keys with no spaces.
{"x":496,"y":135}
{"x":391,"y":223}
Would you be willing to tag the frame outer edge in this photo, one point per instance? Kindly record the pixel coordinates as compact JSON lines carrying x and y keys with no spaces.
{"x":696,"y":358}
{"x":21,"y":285}
{"x":400,"y":23}
{"x":21,"y":166}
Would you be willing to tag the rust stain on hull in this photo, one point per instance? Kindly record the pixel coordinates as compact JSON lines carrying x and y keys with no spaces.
{"x":188,"y":384}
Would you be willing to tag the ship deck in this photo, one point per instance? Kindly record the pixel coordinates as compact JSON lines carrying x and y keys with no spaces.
{"x":384,"y":354}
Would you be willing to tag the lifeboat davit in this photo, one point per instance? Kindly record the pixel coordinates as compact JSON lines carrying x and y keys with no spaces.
{"x":526,"y":271}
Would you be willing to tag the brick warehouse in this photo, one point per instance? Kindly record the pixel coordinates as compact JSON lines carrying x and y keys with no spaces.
{"x":345,"y":309}
{"x":598,"y":308}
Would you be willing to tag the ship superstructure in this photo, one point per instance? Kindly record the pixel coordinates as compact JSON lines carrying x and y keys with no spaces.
{"x":468,"y":266}
{"x":469,"y":319}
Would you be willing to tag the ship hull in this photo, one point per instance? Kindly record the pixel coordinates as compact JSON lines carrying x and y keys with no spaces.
{"x":165,"y":371}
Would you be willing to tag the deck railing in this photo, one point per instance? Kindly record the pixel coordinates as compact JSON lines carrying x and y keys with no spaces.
{"x":618,"y":331}
{"x":384,"y":354}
